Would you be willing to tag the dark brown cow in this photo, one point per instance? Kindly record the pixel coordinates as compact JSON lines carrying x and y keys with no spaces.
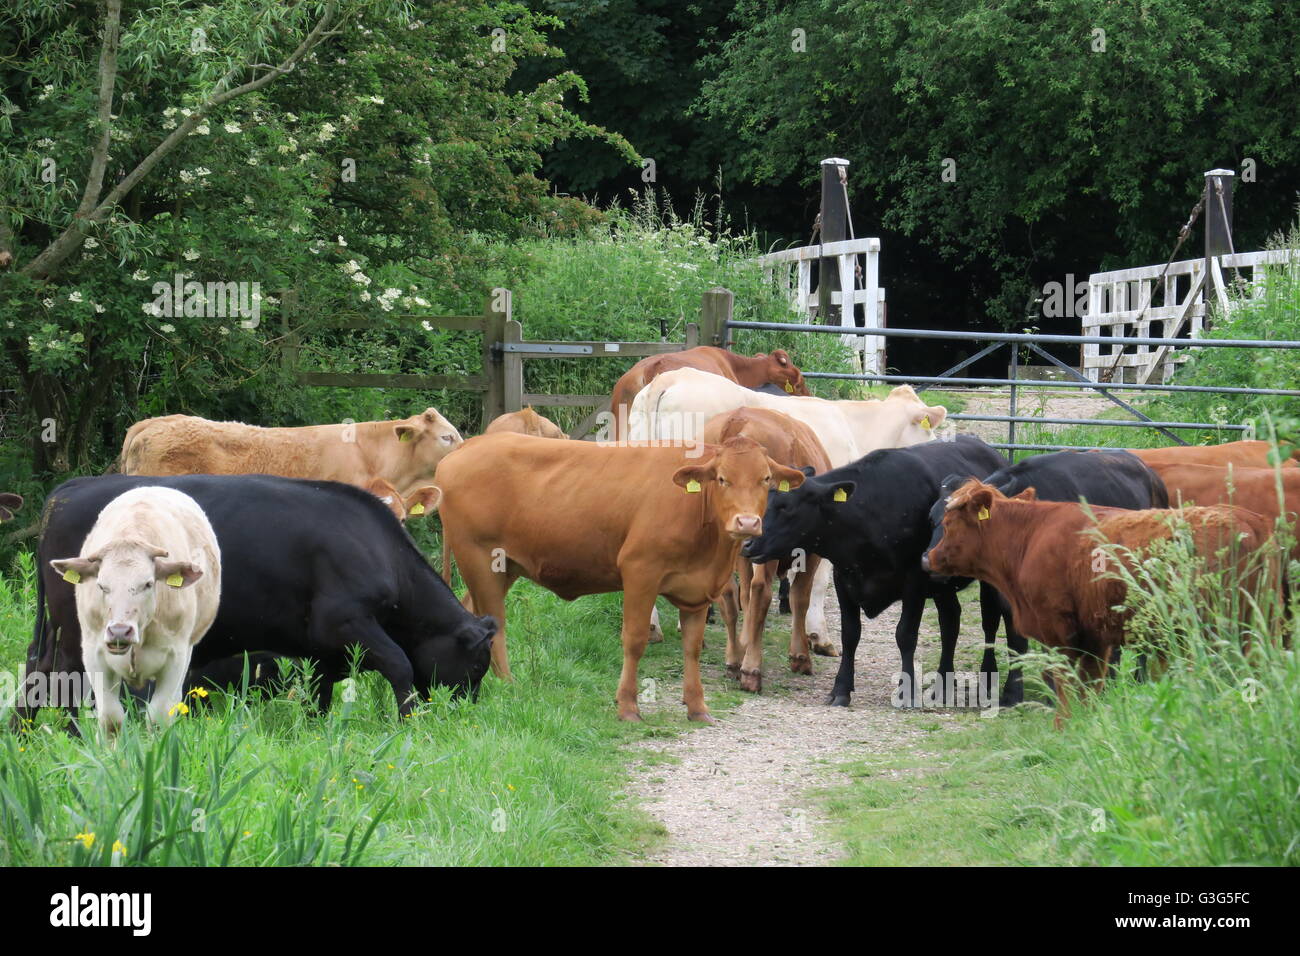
{"x":1249,"y":454}
{"x":1255,"y":489}
{"x":9,"y":503}
{"x":793,"y":444}
{"x":1040,"y":556}
{"x":581,"y":518}
{"x":773,"y":368}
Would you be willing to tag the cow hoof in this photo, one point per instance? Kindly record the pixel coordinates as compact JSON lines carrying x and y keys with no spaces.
{"x":800,"y":664}
{"x":733,"y":672}
{"x":824,"y":648}
{"x":1012,"y":700}
{"x":837,"y":700}
{"x":631,"y":716}
{"x":656,"y":636}
{"x":701,"y":717}
{"x":751,"y":681}
{"x":783,"y":608}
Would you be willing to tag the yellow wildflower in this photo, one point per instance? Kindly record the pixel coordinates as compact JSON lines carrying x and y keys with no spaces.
{"x":87,"y":839}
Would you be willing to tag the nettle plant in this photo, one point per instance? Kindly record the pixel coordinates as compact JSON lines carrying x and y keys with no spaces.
{"x":231,"y":150}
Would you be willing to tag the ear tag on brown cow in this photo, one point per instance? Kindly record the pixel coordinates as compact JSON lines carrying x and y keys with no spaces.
{"x":783,"y":486}
{"x":405,"y":436}
{"x":925,"y":422}
{"x":71,"y":576}
{"x":417,"y":509}
{"x":841,"y":494}
{"x":983,"y":514}
{"x":692,"y":486}
{"x":176,"y":580}
{"x":789,"y":388}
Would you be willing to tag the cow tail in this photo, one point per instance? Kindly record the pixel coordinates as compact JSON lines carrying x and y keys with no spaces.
{"x":37,"y":647}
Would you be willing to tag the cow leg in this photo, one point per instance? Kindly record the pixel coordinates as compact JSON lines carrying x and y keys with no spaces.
{"x":801,"y":598}
{"x":816,"y":616}
{"x":692,"y":687}
{"x":745,"y":571}
{"x":637,"y":603}
{"x":760,"y":601}
{"x":106,"y":686}
{"x":850,"y":634}
{"x":990,"y":619}
{"x":731,"y":603}
{"x":656,"y":634}
{"x":169,"y":688}
{"x":487,"y":595}
{"x":327,"y":675}
{"x":783,"y":596}
{"x":905,"y":634}
{"x":1017,"y":646}
{"x":382,"y":654}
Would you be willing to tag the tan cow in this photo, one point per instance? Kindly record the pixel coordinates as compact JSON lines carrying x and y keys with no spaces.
{"x":763,"y":369}
{"x":1250,"y":454}
{"x":148,"y":582}
{"x":793,"y":444}
{"x":421,"y":502}
{"x":526,"y":421}
{"x":405,"y":452}
{"x":600,"y":518}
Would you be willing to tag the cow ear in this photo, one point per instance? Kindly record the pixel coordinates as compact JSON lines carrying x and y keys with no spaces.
{"x":929,"y":416}
{"x":177,"y":574}
{"x":693,"y":477}
{"x":1029,"y":494}
{"x":406,"y":432}
{"x":783,"y":478}
{"x":76,"y":570}
{"x":782,"y":357}
{"x":423,"y":501}
{"x":808,"y":471}
{"x":978,"y":503}
{"x":842,"y":491}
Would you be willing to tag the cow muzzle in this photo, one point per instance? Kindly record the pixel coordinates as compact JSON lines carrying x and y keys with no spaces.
{"x":120,"y":638}
{"x":745,"y":526}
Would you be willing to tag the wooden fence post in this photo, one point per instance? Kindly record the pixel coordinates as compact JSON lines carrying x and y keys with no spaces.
{"x":289,"y":341}
{"x":496,"y":313}
{"x":512,"y":369}
{"x":715,"y":310}
{"x":692,"y":334}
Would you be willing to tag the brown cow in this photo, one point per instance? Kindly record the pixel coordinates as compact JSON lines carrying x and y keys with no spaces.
{"x":1251,"y":454}
{"x":405,"y":452}
{"x":764,"y":368}
{"x":793,"y":444}
{"x":1255,"y":489}
{"x":581,"y":518}
{"x":526,"y":421}
{"x":9,"y":503}
{"x":1041,"y":558}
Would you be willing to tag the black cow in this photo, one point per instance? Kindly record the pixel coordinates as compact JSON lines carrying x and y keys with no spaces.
{"x":871,"y":520}
{"x":310,"y":569}
{"x":9,"y":503}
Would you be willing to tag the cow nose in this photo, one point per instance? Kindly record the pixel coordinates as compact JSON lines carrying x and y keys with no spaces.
{"x":748,"y":524}
{"x":925,"y":561}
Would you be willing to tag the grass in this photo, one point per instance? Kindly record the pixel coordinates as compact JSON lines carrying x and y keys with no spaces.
{"x":531,"y":774}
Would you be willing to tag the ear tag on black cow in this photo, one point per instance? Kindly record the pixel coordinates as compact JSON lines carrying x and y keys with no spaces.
{"x":841,"y":495}
{"x":783,"y":486}
{"x":692,"y":487}
{"x":175,"y":580}
{"x":983,"y":514}
{"x":789,"y":388}
{"x":71,"y":576}
{"x":417,"y":509}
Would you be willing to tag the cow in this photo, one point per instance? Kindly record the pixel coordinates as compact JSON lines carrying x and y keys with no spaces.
{"x":871,"y":520}
{"x":9,"y":503}
{"x":405,"y":452}
{"x":422,"y":501}
{"x":675,"y":406}
{"x":146,"y":583}
{"x":764,"y":368}
{"x":1266,"y":491}
{"x":793,"y":444}
{"x":311,"y":569}
{"x":1043,"y":557}
{"x":646,"y":521}
{"x":1250,"y":454}
{"x":526,"y":421}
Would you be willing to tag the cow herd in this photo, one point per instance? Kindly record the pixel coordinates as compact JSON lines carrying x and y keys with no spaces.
{"x":723,"y":475}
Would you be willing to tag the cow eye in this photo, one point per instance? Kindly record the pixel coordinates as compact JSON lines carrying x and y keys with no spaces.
{"x":104,"y":588}
{"x":722,"y":482}
{"x":448,"y":439}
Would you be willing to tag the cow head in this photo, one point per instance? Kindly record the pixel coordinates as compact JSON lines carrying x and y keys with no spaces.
{"x":783,"y":373}
{"x":383,"y":489}
{"x":736,"y":479}
{"x":458,"y":658}
{"x":423,"y":440}
{"x":800,"y":517}
{"x":9,"y":503}
{"x":911,"y":421}
{"x":118,"y":587}
{"x":969,"y":510}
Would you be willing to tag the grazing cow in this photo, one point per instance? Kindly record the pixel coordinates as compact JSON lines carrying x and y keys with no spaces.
{"x":792,"y":444}
{"x":641,"y":520}
{"x":1264,"y":491}
{"x":526,"y":421}
{"x":871,"y":520}
{"x":676,"y":405}
{"x":9,"y":503}
{"x":770,"y":369}
{"x":1250,"y":454}
{"x":1041,"y":557}
{"x":146,"y":584}
{"x":312,"y":569}
{"x":405,"y":453}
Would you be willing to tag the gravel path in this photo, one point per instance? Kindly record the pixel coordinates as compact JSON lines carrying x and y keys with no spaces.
{"x":1074,"y":403}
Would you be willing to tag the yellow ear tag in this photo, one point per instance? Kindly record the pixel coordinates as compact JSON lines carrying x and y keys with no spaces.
{"x":925,"y":422}
{"x":176,"y":580}
{"x":405,"y":436}
{"x":789,"y":388}
{"x":417,"y":509}
{"x":984,"y":514}
{"x":841,"y":494}
{"x":71,"y":576}
{"x":783,"y":486}
{"x":692,"y":486}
